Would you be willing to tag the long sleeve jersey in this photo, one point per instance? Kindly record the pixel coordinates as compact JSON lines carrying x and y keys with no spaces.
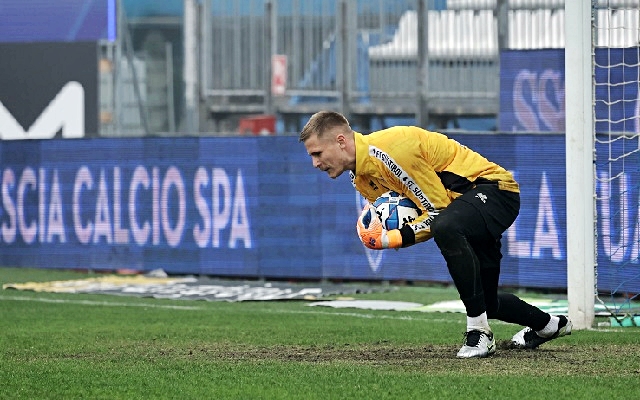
{"x":428,"y":167}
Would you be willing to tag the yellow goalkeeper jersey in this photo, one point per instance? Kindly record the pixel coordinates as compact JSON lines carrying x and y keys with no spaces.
{"x":428,"y":167}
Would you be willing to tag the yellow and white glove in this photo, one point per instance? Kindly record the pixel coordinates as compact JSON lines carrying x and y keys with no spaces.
{"x":372,"y":233}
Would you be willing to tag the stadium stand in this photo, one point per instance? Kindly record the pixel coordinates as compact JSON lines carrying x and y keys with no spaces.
{"x":464,"y":42}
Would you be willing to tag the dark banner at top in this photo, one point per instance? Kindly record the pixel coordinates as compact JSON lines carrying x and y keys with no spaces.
{"x":48,"y":90}
{"x":57,"y":21}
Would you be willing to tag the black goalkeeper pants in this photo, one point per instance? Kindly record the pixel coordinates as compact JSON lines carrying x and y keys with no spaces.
{"x":468,"y":234}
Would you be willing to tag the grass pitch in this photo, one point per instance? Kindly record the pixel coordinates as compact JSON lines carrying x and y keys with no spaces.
{"x":61,"y":346}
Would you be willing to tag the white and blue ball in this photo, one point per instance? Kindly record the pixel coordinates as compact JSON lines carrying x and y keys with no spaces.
{"x":395,"y":210}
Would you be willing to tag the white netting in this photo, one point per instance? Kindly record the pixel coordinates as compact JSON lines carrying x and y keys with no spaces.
{"x":616,"y":60}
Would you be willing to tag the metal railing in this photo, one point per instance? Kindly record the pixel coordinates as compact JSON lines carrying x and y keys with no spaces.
{"x":360,"y":57}
{"x":424,"y":59}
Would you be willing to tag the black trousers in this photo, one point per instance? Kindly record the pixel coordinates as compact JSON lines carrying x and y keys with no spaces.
{"x":468,"y":234}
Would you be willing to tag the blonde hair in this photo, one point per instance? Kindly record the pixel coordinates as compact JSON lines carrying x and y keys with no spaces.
{"x":323,"y":121}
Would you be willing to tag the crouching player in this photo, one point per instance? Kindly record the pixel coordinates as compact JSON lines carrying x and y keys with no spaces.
{"x":467,"y":202}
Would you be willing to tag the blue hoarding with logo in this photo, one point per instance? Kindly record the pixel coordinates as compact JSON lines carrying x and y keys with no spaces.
{"x":532,"y":90}
{"x":255,"y":207}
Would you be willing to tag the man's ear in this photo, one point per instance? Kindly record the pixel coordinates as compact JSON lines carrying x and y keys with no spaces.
{"x":342,"y":140}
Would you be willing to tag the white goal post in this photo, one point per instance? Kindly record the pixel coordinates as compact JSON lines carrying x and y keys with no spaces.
{"x":581,"y":210}
{"x":602,"y":96}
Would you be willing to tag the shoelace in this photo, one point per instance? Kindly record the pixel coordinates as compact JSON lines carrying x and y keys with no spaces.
{"x":472,"y":338}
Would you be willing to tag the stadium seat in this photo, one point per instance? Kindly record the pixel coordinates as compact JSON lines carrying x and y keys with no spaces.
{"x":451,"y":33}
{"x":618,"y":28}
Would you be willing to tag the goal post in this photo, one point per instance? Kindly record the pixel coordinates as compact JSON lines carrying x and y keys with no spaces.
{"x":580,"y":174}
{"x":602,"y":96}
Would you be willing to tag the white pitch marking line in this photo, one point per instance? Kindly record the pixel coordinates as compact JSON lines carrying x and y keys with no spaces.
{"x":99,"y":303}
{"x":175,"y":307}
{"x":367,"y":316}
{"x":375,"y":316}
{"x":117,"y":304}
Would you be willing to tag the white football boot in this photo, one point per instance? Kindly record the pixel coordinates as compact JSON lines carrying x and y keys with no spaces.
{"x":477,"y":344}
{"x":527,"y":338}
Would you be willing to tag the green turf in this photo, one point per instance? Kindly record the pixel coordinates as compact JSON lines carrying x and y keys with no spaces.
{"x":63,"y":346}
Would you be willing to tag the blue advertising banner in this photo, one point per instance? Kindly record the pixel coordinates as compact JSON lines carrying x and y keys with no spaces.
{"x":532,"y":90}
{"x":181,"y":205}
{"x":255,"y":207}
{"x":57,"y":21}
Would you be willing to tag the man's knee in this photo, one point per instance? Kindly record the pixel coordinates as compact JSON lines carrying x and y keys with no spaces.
{"x":447,"y":229}
{"x":442,"y":226}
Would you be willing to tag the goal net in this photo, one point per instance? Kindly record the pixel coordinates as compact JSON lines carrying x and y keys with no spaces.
{"x":616,"y":121}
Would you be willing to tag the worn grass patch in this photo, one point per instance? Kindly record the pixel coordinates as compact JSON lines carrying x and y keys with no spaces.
{"x":566,"y":360}
{"x":56,"y":346}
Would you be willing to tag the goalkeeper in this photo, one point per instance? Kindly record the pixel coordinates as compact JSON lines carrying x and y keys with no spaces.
{"x":467,"y":202}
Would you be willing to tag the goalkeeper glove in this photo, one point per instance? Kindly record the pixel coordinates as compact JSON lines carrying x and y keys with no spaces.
{"x":372,"y":233}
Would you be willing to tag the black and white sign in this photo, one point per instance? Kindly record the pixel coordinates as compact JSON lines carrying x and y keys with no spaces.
{"x":48,"y":90}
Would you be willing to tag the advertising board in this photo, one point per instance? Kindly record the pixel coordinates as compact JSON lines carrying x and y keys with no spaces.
{"x":48,"y":90}
{"x":255,"y":207}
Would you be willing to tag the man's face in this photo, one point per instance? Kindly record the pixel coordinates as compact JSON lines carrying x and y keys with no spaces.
{"x":328,"y":153}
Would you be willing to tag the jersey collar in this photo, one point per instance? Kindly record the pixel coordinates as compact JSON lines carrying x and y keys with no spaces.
{"x":363,"y":166}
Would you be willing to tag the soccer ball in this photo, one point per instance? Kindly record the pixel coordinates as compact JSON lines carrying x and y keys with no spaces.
{"x":395,"y":210}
